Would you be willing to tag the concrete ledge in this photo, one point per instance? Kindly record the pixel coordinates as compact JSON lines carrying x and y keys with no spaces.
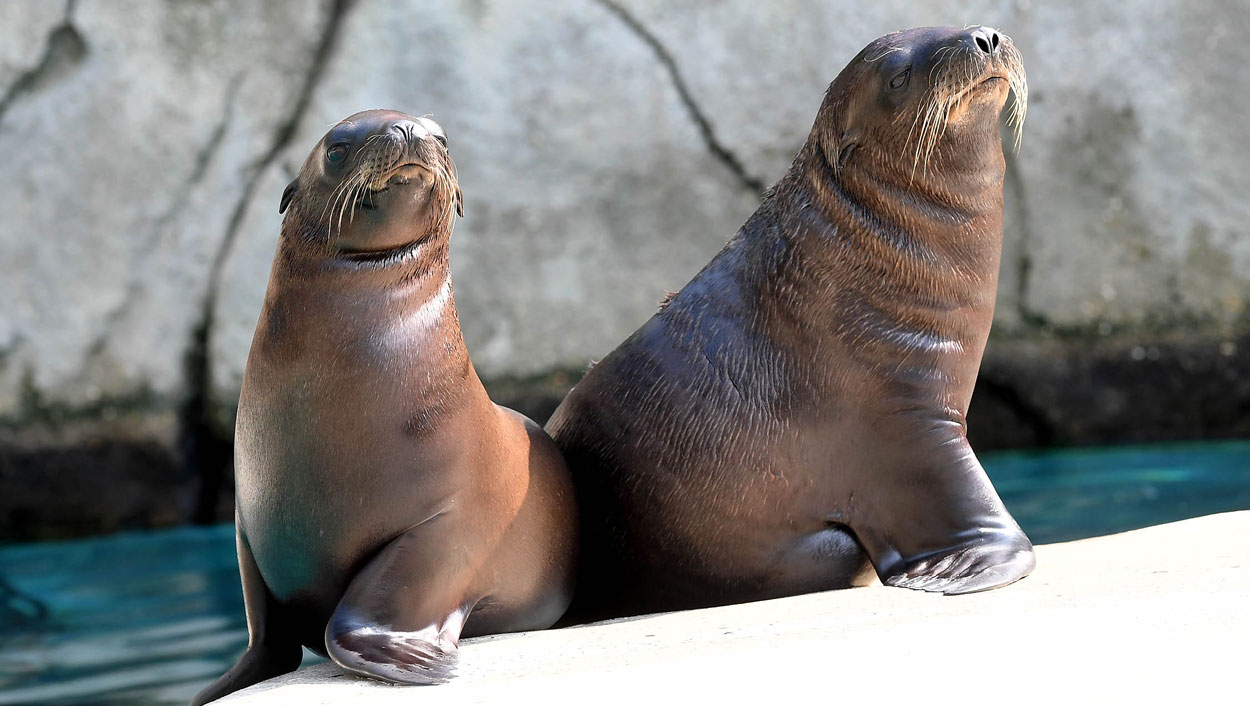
{"x":1155,"y":615}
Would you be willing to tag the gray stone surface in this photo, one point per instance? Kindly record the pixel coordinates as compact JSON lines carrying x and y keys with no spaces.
{"x":1131,"y":189}
{"x":23,"y":50}
{"x":607,"y":149}
{"x":1152,"y":616}
{"x":1126,"y":199}
{"x":129,"y":141}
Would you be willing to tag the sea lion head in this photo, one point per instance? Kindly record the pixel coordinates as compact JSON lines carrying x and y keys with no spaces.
{"x":923,"y":100}
{"x":378,"y":185}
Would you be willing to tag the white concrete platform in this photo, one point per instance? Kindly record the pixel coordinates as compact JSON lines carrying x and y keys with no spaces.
{"x":1159,"y":615}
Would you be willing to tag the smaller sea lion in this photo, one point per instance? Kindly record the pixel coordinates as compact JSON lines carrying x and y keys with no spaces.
{"x":386,"y":507}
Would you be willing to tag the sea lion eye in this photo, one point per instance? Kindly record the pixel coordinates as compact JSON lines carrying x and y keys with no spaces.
{"x":441,"y":138}
{"x":337,"y":153}
{"x":900,"y":80}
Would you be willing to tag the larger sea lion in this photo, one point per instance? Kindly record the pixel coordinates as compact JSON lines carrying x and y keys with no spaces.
{"x":386,"y":507}
{"x":799,"y":406}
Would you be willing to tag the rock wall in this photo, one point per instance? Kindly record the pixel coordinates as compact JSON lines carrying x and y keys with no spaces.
{"x":607,"y":149}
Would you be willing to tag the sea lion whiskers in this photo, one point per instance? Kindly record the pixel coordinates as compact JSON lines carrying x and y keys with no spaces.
{"x":928,"y":137}
{"x":926,"y":114}
{"x":329,"y":206}
{"x":372,"y":163}
{"x":447,"y":178}
{"x":941,"y":57}
{"x":937,"y":60}
{"x":943,"y":101}
{"x":357,"y":198}
{"x":347,"y":201}
{"x":1018,"y":82}
{"x":340,"y":192}
{"x":953,"y":76}
{"x":444,"y":188}
{"x":346,"y":184}
{"x":884,"y":54}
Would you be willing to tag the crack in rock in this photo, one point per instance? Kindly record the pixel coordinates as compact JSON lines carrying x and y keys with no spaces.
{"x":714,"y":145}
{"x":8,"y":348}
{"x":64,"y":50}
{"x":205,"y":156}
{"x":203,"y":159}
{"x":206,"y":453}
{"x":282,"y":137}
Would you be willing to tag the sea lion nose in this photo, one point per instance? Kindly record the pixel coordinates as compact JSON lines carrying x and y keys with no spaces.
{"x":409,"y":130}
{"x":987,"y":39}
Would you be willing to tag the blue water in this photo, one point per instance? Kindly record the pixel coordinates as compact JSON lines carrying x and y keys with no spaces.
{"x":149,"y":618}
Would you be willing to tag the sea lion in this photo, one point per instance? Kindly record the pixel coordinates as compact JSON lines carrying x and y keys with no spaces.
{"x":385,"y":506}
{"x":799,"y":405}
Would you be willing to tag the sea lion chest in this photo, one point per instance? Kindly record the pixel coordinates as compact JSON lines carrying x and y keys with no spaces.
{"x":339,"y":446}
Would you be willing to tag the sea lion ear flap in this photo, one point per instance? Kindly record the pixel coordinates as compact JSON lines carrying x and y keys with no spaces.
{"x":288,"y":194}
{"x":459,"y":203}
{"x":846,"y":145}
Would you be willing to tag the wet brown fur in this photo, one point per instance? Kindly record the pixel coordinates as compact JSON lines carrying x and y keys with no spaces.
{"x":797,"y":410}
{"x":385,"y":506}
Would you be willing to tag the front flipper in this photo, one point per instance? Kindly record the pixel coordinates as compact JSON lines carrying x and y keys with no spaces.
{"x":401,"y":617}
{"x":986,"y":560}
{"x":270,"y":652}
{"x":933,"y":522}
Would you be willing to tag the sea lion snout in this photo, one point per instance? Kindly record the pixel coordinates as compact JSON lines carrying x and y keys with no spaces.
{"x":413,"y":130}
{"x":409,"y":130}
{"x":933,"y":94}
{"x":985,"y":39}
{"x":405,"y":150}
{"x":405,"y":173}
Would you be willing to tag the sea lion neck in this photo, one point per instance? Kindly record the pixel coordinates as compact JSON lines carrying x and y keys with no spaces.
{"x":426,"y":259}
{"x":888,"y":272}
{"x":957,"y":189}
{"x":875,"y":208}
{"x":318,"y":298}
